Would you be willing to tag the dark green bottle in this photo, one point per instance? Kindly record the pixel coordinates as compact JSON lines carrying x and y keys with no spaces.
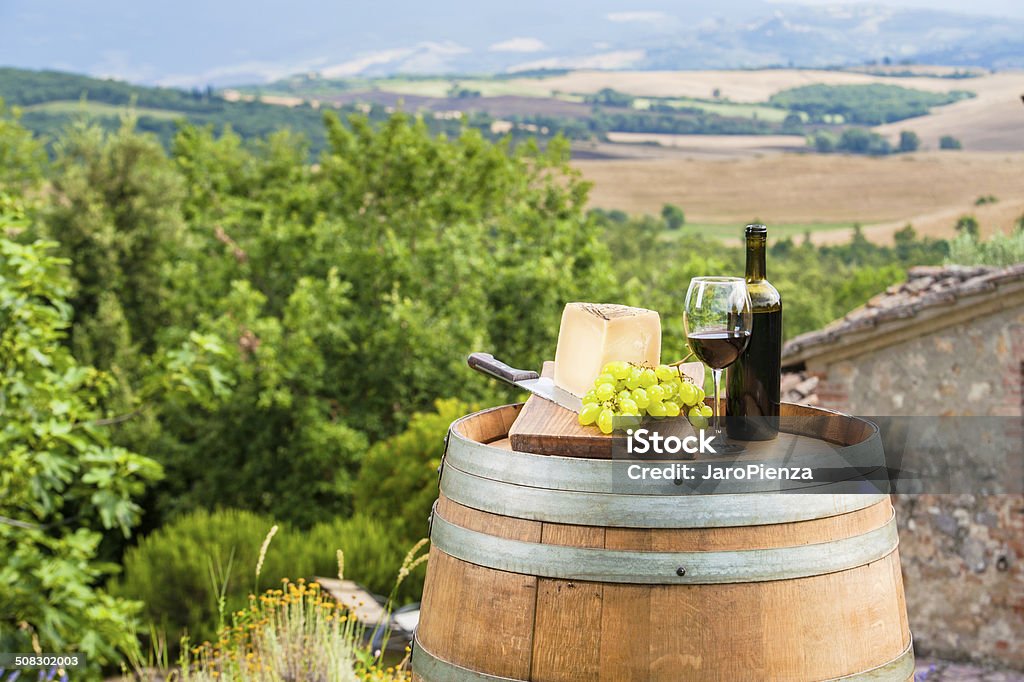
{"x":752,"y":398}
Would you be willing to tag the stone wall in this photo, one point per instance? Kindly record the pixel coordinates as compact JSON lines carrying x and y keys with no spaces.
{"x":963,"y":555}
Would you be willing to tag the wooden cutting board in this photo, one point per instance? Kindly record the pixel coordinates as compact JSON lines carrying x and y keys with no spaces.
{"x":544,"y":428}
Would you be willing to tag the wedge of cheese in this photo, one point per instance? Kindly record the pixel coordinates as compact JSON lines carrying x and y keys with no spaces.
{"x":594,"y":334}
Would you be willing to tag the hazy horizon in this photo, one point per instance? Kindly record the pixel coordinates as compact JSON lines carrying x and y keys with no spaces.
{"x":194,"y":43}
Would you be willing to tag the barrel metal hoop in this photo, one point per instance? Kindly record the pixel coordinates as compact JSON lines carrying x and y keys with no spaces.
{"x":662,"y":568}
{"x":645,"y":511}
{"x":608,"y":475}
{"x":433,"y":669}
{"x":898,"y":669}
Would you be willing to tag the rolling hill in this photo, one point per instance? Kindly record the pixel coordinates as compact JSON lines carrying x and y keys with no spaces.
{"x":50,"y":100}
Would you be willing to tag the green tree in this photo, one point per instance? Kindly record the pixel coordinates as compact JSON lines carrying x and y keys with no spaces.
{"x":824,"y":142}
{"x":863,"y":141}
{"x":909,"y":141}
{"x":949,"y":142}
{"x":968,"y":225}
{"x":22,"y":157}
{"x":398,"y":479}
{"x":793,"y":121}
{"x":62,"y":484}
{"x":344,"y":298}
{"x":1000,"y":250}
{"x":610,"y":97}
{"x":115,"y":209}
{"x":673,"y":216}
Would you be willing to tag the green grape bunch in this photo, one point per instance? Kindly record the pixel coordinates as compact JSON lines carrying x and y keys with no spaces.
{"x":631,"y":391}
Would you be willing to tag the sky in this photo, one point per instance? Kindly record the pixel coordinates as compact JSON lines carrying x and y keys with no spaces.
{"x":194,"y":42}
{"x":1000,"y":8}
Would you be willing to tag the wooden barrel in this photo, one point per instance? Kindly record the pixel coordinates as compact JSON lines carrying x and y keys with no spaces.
{"x":542,"y":569}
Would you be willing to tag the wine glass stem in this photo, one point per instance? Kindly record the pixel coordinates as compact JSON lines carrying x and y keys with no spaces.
{"x":716,"y":375}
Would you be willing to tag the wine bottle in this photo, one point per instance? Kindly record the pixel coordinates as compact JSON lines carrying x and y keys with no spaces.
{"x":752,"y":394}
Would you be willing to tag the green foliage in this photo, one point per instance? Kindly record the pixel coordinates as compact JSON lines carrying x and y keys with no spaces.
{"x":823,"y":142}
{"x":46,"y":96}
{"x":292,"y":633}
{"x":818,"y":284}
{"x":62,"y":484}
{"x":968,"y":225}
{"x":863,"y":141}
{"x":678,"y":121}
{"x":609,"y":97}
{"x":949,"y":142}
{"x":374,"y":554}
{"x":418,"y":218}
{"x":342,"y":300}
{"x":116,"y":211}
{"x":909,"y":141}
{"x":22,"y":158}
{"x":180,"y":571}
{"x":459,"y":92}
{"x":673,"y":216}
{"x":1000,"y":249}
{"x":660,"y":119}
{"x":793,"y":122}
{"x":986,"y":199}
{"x":871,"y":104}
{"x":398,"y":479}
{"x":852,"y":141}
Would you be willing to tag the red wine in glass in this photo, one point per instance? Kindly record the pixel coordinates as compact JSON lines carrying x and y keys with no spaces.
{"x":717,"y":320}
{"x":718,"y":350}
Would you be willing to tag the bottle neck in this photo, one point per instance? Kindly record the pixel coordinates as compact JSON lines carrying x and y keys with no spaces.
{"x":755,"y":258}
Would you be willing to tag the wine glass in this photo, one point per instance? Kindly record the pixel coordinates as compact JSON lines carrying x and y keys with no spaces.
{"x":717,"y":320}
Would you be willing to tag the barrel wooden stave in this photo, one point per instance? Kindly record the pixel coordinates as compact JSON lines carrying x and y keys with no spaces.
{"x":524,"y":627}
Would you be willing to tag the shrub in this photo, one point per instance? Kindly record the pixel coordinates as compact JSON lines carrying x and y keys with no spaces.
{"x":909,"y":141}
{"x":949,"y":142}
{"x":398,"y":480}
{"x":178,"y":570}
{"x":824,"y":142}
{"x":673,"y":216}
{"x":62,"y":484}
{"x":182,"y":570}
{"x":292,"y":633}
{"x":999,"y":249}
{"x":968,"y":225}
{"x":373,"y":553}
{"x":863,"y":141}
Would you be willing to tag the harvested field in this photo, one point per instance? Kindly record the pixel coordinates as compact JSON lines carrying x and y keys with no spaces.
{"x":928,"y":189}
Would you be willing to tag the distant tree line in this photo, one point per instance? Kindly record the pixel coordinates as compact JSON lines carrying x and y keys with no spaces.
{"x":872,"y":104}
{"x":864,"y":141}
{"x":251,"y":120}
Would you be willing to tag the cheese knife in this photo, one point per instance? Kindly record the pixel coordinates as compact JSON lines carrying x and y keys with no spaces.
{"x":528,"y":380}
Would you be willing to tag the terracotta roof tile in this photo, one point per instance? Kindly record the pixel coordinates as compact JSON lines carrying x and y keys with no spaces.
{"x":799,"y":387}
{"x":927,"y":286}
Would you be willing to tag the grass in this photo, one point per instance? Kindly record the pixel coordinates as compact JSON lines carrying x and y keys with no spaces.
{"x":101,"y":109}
